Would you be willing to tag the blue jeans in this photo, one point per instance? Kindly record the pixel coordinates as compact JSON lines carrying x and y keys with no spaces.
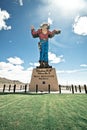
{"x":44,"y":51}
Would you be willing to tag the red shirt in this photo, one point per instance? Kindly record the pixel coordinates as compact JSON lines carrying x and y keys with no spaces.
{"x":42,"y":36}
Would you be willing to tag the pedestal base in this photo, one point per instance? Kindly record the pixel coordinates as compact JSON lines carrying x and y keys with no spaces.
{"x":44,"y":79}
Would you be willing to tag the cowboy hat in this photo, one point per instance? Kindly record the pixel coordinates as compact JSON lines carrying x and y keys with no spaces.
{"x":45,"y":24}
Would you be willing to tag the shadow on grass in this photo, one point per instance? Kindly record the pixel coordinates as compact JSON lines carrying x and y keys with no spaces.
{"x":22,"y":93}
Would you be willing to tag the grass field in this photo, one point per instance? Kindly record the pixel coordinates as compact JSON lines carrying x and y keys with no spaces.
{"x":43,"y":112}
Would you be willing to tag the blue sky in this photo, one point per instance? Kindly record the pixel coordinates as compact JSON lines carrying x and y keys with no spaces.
{"x":19,"y":52}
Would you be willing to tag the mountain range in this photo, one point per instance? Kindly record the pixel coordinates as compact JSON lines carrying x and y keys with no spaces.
{"x":8,"y":81}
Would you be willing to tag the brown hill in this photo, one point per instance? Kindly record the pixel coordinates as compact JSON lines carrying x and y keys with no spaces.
{"x":8,"y":81}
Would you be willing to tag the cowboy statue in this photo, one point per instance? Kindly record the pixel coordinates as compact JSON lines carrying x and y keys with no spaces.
{"x":43,"y":33}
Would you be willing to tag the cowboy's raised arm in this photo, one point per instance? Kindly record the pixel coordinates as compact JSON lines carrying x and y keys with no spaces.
{"x":33,"y":32}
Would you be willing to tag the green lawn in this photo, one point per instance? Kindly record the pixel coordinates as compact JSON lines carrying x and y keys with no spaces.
{"x":43,"y":112}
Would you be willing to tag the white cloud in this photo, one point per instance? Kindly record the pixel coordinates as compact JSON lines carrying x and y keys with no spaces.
{"x":50,"y":21}
{"x":21,"y":2}
{"x":83,"y":65}
{"x":74,"y":76}
{"x":67,"y":71}
{"x":68,"y":6}
{"x":54,"y":59}
{"x":34,"y":64}
{"x":15,"y":60}
{"x":71,"y":71}
{"x":15,"y":71}
{"x":80,"y":25}
{"x":31,"y":63}
{"x":4,"y":15}
{"x":64,"y":7}
{"x":6,"y":66}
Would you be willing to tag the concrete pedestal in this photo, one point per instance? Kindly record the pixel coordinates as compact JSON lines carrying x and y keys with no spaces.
{"x":43,"y":79}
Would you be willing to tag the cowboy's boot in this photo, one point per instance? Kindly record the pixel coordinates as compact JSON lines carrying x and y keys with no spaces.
{"x":41,"y":64}
{"x":47,"y":65}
